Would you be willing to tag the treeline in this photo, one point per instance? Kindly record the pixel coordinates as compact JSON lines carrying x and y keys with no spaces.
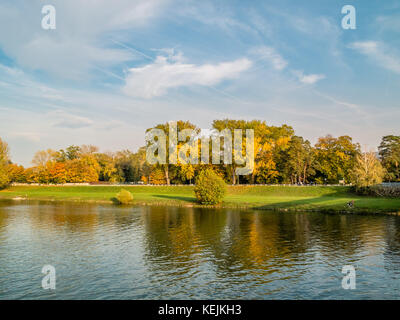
{"x":280,"y":157}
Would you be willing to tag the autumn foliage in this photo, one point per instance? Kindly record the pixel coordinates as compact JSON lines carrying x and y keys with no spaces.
{"x":281,"y":157}
{"x":210,"y":188}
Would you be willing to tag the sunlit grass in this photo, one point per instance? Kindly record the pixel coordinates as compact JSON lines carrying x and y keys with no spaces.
{"x":262,"y":197}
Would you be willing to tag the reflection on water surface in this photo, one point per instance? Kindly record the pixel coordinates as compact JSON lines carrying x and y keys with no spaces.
{"x":109,"y":252}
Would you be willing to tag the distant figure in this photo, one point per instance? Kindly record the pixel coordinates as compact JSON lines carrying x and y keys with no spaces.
{"x":350,"y":204}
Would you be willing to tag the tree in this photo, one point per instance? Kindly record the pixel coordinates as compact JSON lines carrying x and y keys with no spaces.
{"x":108,"y":171}
{"x":367,"y":170}
{"x":41,"y":158}
{"x":84,"y":169}
{"x":181,"y":125}
{"x":335,"y":158}
{"x":299,"y":161}
{"x":389,"y":151}
{"x":269,"y":161}
{"x":187,"y":172}
{"x":157,"y":176}
{"x":231,"y":125}
{"x":4,"y":162}
{"x":56,"y":173}
{"x":4,"y":179}
{"x":124,"y":165}
{"x":86,"y":149}
{"x":16,"y":173}
{"x":71,"y":153}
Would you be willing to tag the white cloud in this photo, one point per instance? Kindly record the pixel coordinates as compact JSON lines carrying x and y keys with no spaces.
{"x":308,"y":78}
{"x":68,"y":120}
{"x":272,"y":56}
{"x":377,"y":51}
{"x":165,"y":73}
{"x":311,"y":78}
{"x":77,"y":45}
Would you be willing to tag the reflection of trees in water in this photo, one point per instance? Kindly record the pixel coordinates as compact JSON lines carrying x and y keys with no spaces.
{"x":4,"y":218}
{"x":83,"y":218}
{"x":338,"y":236}
{"x":231,"y":240}
{"x":234,"y":241}
{"x":169,"y":236}
{"x":64,"y":216}
{"x":255,"y":241}
{"x":391,"y":252}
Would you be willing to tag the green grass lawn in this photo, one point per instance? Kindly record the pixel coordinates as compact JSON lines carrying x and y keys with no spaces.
{"x":332,"y":199}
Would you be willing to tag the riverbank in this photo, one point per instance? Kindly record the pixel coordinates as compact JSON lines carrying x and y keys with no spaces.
{"x":284,"y":198}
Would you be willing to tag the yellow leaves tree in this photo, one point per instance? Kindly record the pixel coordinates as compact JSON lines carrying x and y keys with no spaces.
{"x":157,"y":176}
{"x":84,"y":169}
{"x":16,"y":173}
{"x":187,"y":171}
{"x":180,"y":125}
{"x":76,"y":165}
{"x":270,"y":141}
{"x":4,"y":162}
{"x":367,"y":171}
{"x":335,"y":158}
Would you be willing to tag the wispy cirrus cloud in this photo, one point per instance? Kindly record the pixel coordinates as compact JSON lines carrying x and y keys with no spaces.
{"x":165,"y":73}
{"x":378,"y":52}
{"x":385,"y":22}
{"x":77,"y":45}
{"x":271,"y":55}
{"x":69,"y":121}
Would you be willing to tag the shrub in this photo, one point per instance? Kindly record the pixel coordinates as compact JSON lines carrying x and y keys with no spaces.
{"x":124,"y":197}
{"x":210,"y":188}
{"x":380,"y":191}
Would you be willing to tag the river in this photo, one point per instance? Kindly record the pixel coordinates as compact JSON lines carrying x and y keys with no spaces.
{"x":111,"y":252}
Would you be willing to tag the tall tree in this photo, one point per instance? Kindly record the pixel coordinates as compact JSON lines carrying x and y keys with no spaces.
{"x":108,"y":171}
{"x":367,"y":170}
{"x":389,"y":151}
{"x":298,"y":164}
{"x":267,"y":139}
{"x":335,"y":158}
{"x":181,"y":125}
{"x":4,"y":162}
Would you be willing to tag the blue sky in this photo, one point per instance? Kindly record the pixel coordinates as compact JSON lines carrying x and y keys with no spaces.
{"x":112,"y":69}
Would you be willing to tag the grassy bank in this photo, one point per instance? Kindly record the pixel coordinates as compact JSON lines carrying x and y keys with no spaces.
{"x":329,"y":199}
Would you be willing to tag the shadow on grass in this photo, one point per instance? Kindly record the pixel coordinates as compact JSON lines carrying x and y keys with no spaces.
{"x":181,"y":198}
{"x":313,"y":203}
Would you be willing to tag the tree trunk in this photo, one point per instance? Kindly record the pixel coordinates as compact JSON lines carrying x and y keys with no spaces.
{"x":233,"y":175}
{"x":166,"y":174}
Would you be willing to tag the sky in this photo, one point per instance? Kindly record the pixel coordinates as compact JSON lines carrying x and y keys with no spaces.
{"x":112,"y":69}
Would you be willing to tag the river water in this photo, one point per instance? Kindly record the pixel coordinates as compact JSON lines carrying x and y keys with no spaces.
{"x":111,"y":252}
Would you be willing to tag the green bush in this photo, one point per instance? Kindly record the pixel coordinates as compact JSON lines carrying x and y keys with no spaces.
{"x":124,"y":197}
{"x":210,"y":188}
